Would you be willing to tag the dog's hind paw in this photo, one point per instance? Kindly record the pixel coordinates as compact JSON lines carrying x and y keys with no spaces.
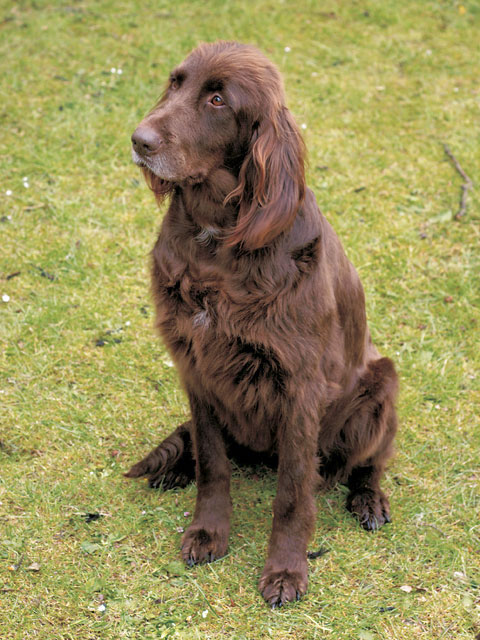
{"x":370,"y":507}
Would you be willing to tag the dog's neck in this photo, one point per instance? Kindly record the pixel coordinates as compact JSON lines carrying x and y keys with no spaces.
{"x":204,"y":204}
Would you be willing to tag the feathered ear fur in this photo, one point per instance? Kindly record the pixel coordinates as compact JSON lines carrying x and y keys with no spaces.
{"x":271,"y":185}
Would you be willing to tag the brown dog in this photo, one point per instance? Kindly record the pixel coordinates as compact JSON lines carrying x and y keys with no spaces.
{"x":262,"y":313}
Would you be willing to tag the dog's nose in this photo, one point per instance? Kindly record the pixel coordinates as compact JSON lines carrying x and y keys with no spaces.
{"x":145,"y":140}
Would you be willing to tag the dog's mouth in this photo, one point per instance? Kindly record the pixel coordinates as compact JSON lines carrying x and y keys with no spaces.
{"x":142,"y":161}
{"x":138,"y":160}
{"x":159,"y":166}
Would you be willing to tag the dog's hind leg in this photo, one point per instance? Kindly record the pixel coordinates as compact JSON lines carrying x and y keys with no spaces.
{"x":366,"y":501}
{"x":372,"y":428}
{"x":169,"y":465}
{"x":357,"y":436}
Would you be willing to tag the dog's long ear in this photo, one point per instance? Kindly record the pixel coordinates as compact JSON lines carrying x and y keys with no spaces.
{"x":271,"y":185}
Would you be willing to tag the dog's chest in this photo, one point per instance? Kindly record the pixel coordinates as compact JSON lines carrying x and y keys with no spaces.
{"x":218,"y":339}
{"x":192,"y":307}
{"x":202,"y":313}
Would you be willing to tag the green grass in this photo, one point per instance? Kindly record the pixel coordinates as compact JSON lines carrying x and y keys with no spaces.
{"x":381,"y":87}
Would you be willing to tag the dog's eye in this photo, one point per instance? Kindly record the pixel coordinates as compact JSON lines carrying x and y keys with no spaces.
{"x":217,"y":101}
{"x":174,"y":84}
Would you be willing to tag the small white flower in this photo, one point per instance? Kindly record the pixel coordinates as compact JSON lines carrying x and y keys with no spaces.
{"x":127,"y":323}
{"x":456,"y":89}
{"x":428,"y":52}
{"x":287,"y":49}
{"x":169,"y":363}
{"x":113,"y":70}
{"x":8,"y":192}
{"x":6,"y":297}
{"x":304,"y":126}
{"x":101,"y":608}
{"x":119,"y":72}
{"x":25,"y":179}
{"x":205,"y":613}
{"x":26,"y":185}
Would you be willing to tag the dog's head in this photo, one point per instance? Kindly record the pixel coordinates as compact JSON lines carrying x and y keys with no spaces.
{"x":224,"y":107}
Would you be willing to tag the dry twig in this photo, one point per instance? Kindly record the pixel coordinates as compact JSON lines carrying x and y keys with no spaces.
{"x":468,"y":184}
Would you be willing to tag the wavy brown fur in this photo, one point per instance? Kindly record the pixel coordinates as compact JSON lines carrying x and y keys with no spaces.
{"x":262,"y":312}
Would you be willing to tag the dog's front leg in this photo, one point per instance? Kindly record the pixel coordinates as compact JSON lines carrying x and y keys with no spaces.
{"x":284,"y":577}
{"x":207,"y":537}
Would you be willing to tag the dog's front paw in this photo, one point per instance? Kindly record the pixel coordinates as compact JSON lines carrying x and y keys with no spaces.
{"x":203,"y":544}
{"x":284,"y":585}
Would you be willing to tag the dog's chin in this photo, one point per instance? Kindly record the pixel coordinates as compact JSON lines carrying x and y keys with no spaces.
{"x":158,"y":167}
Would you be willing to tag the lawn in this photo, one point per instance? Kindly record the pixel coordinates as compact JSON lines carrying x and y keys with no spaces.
{"x":86,"y":387}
